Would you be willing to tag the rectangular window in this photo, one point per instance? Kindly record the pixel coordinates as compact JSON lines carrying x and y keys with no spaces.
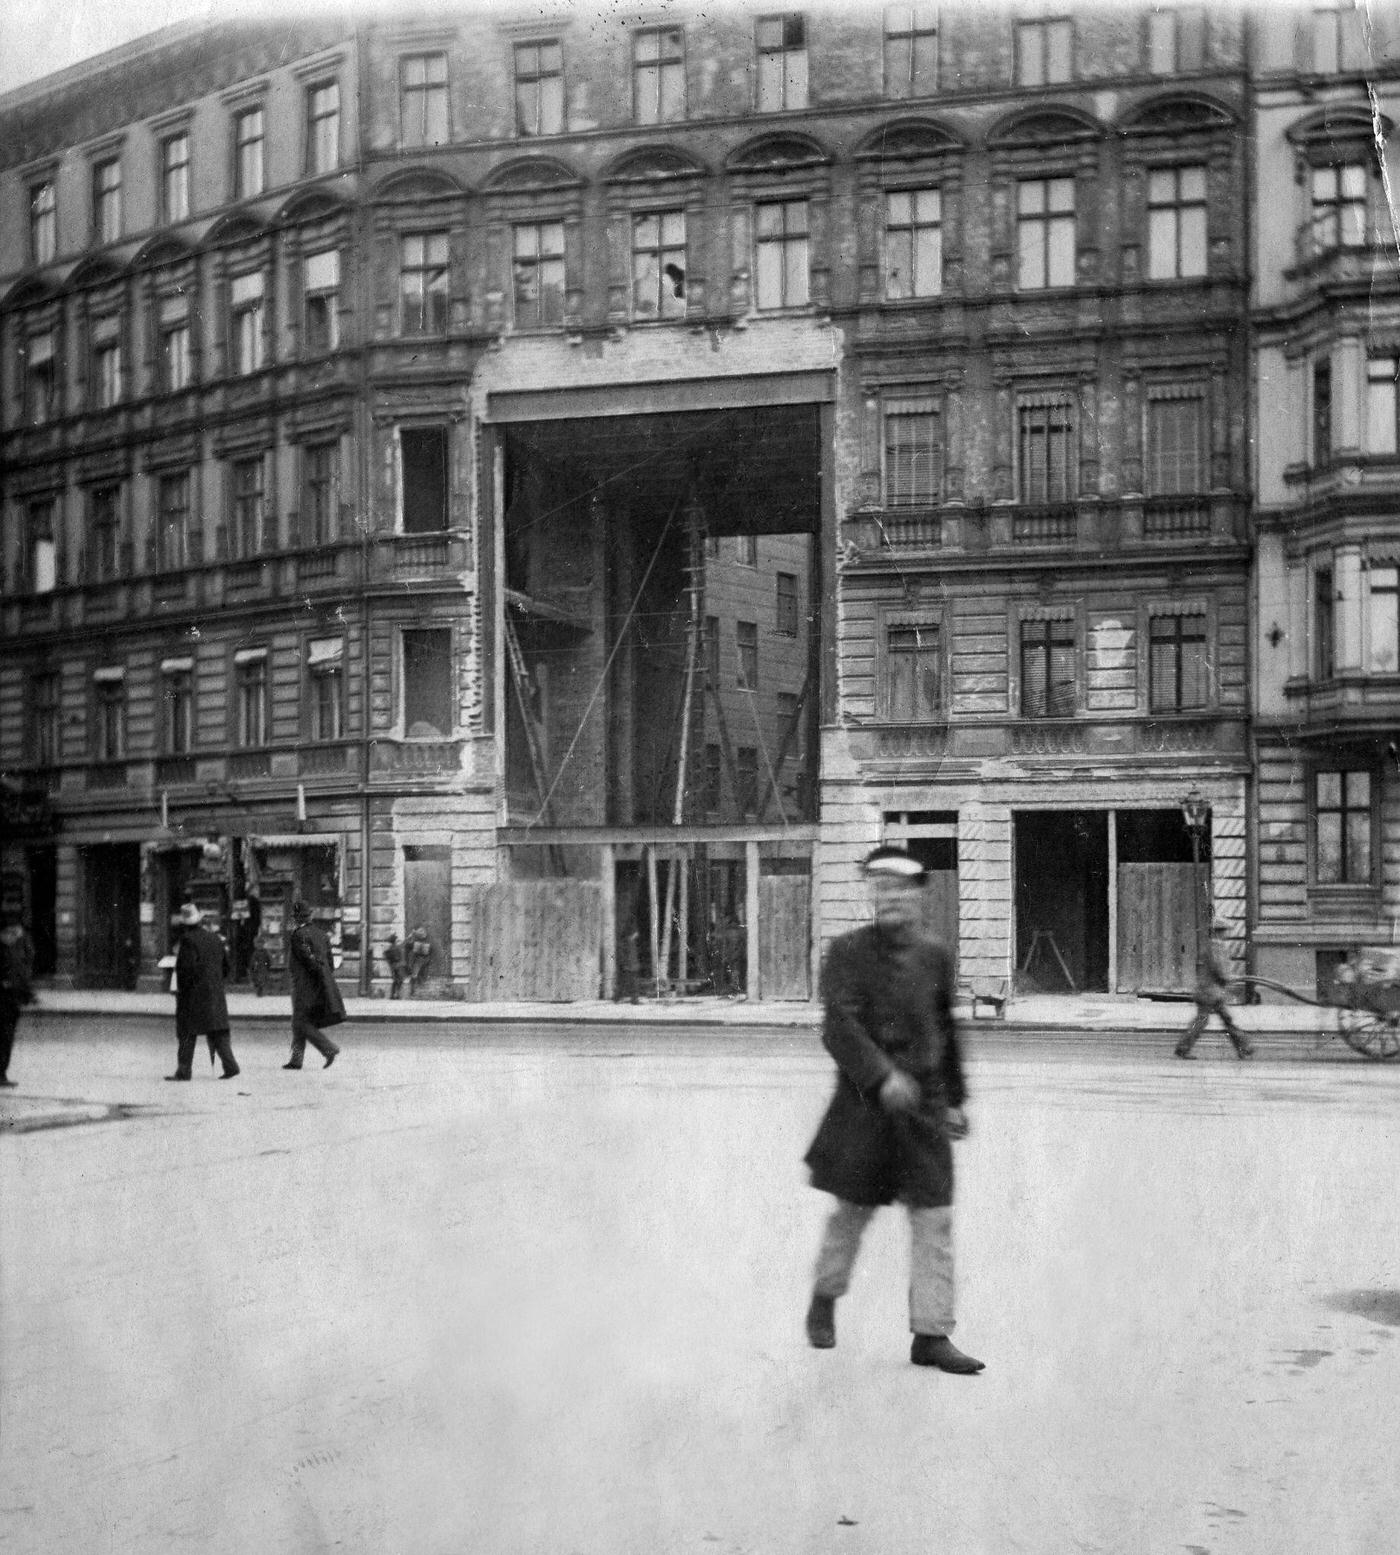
{"x":913,"y":243}
{"x":246,"y":314}
{"x":781,"y":254}
{"x":1177,"y":678}
{"x":786,"y":613}
{"x":1176,"y":223}
{"x":177,"y":699}
{"x":1047,"y":468}
{"x":173,"y":522}
{"x":1382,"y":404}
{"x":913,"y":454}
{"x":428,"y":703}
{"x":1328,"y":43}
{"x":320,"y":282}
{"x":1342,"y":819}
{"x":913,"y":674}
{"x":106,"y":201}
{"x":109,"y":696}
{"x":423,"y":451}
{"x":789,"y":705}
{"x":714,"y":780}
{"x":1161,"y":42}
{"x":325,"y":670}
{"x":322,"y":128}
{"x":1044,"y":52}
{"x":539,"y":88}
{"x":1047,"y":669}
{"x":43,"y":223}
{"x":423,"y":283}
{"x":175,"y":177}
{"x":712,"y":651}
{"x":1175,"y":457}
{"x":176,"y":366}
{"x":1324,"y":624}
{"x":249,"y":173}
{"x":781,"y":44}
{"x":105,"y":388}
{"x":250,"y":697}
{"x":41,"y":547}
{"x":1045,"y":235}
{"x":746,"y":550}
{"x":1176,"y":36}
{"x":746,"y":776}
{"x":1322,"y":410}
{"x":43,"y":734}
{"x":658,"y":75}
{"x":246,"y":477}
{"x":318,"y":472}
{"x":1338,"y":207}
{"x":911,"y":51}
{"x":423,"y":100}
{"x":1383,"y":646}
{"x":539,"y":274}
{"x":658,"y":265}
{"x":41,"y":377}
{"x":746,"y":642}
{"x":104,"y":534}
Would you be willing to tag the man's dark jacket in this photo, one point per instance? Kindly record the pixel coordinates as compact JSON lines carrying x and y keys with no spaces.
{"x":314,"y":991}
{"x":888,"y":1006}
{"x":201,"y":964}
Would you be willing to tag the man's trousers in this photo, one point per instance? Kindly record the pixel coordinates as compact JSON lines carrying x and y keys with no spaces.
{"x":302,"y":1033}
{"x":930,"y":1261}
{"x":218,"y":1040}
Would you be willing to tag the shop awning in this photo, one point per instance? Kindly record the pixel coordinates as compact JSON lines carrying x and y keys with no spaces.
{"x":293,"y":840}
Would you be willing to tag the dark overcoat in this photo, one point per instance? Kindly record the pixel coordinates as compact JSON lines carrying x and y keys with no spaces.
{"x":201,"y":965}
{"x":313,"y":973}
{"x":888,"y":1006}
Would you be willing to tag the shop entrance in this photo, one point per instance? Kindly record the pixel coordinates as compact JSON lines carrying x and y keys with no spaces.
{"x":1062,"y":882}
{"x":109,"y":942}
{"x":42,"y":864}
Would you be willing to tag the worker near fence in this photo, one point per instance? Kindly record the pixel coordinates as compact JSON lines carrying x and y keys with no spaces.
{"x":1212,"y":986}
{"x":887,"y":992}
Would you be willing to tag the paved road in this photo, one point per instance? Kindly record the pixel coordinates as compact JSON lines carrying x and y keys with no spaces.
{"x":524,"y":1292}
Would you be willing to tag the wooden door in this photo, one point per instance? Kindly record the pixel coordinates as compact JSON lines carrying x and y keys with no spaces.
{"x":427,"y":903}
{"x":784,"y":936}
{"x":537,"y":939}
{"x":1158,"y":920}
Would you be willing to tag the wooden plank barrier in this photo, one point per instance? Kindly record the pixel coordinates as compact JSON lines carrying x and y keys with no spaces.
{"x":537,"y":939}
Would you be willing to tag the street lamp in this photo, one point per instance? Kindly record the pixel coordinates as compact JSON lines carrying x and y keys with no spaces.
{"x":1195,"y":811}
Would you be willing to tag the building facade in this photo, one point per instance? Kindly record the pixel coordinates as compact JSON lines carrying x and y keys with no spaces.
{"x":579,"y":485}
{"x":1327,"y":693}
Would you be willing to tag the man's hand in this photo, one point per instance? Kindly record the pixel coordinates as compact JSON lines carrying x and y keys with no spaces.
{"x":899,"y":1092}
{"x":955,"y":1123}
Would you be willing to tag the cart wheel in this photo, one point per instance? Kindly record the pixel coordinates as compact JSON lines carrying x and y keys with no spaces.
{"x":1372,"y":1035}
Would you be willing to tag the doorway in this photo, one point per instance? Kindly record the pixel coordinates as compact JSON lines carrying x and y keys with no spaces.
{"x":110,"y":939}
{"x":1062,"y":884}
{"x":42,"y":864}
{"x":427,"y":903}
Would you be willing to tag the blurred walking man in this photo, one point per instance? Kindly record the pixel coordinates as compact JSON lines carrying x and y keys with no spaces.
{"x":887,"y":991}
{"x":201,"y":965}
{"x":316,"y":1000}
{"x":1212,"y":985}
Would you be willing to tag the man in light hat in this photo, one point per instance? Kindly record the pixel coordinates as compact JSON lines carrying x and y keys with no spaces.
{"x":887,"y":990}
{"x":201,"y":965}
{"x":1212,"y":984}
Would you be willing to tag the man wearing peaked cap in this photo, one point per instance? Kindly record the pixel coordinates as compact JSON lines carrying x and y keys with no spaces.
{"x":887,"y":991}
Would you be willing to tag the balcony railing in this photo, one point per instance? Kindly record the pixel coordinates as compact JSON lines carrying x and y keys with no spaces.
{"x":1051,"y":524}
{"x":323,"y":760}
{"x":912,"y":529}
{"x":250,"y":764}
{"x":1170,"y":518}
{"x":1340,"y":246}
{"x":412,"y":757}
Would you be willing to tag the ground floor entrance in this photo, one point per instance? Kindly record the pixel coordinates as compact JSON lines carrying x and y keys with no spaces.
{"x":109,"y":940}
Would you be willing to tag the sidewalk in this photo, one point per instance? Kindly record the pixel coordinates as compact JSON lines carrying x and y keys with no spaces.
{"x":1041,"y":1012}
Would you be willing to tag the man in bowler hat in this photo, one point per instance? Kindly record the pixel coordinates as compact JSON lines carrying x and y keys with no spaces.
{"x":887,"y":992}
{"x":316,"y":1000}
{"x":201,"y":965}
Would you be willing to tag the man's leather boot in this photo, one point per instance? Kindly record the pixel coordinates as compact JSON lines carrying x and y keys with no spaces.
{"x":821,"y":1322}
{"x":940,"y":1351}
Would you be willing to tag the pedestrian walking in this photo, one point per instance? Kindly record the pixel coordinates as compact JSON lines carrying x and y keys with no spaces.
{"x":888,"y":1023}
{"x":1212,"y":985}
{"x":394,"y":960}
{"x":316,"y":1000}
{"x":16,"y":983}
{"x":260,"y":966}
{"x":201,"y":1006}
{"x":420,"y":953}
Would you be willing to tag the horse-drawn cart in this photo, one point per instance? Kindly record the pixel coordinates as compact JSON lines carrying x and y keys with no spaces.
{"x":1365,"y":994}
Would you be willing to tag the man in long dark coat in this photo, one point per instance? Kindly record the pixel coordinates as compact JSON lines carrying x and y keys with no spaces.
{"x":316,"y":1000}
{"x":887,"y":989}
{"x":201,"y":965}
{"x":16,"y":986}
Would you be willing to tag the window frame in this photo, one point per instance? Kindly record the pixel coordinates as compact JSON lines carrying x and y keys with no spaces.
{"x":435,"y":282}
{"x":42,"y":374}
{"x":792,"y":98}
{"x":1044,"y":624}
{"x":1388,"y":595}
{"x":103,"y":517}
{"x":668,"y":306}
{"x":1322,"y":620}
{"x":1155,"y":399}
{"x":746,"y":656}
{"x":1179,"y":641}
{"x":105,"y":376}
{"x":174,"y":517}
{"x":320,"y":672}
{"x":1066,"y":404}
{"x":319,"y":493}
{"x":175,"y":178}
{"x":245,"y":187}
{"x":915,"y":83}
{"x":109,"y":714}
{"x":1181,"y":207}
{"x":43,"y":222}
{"x":426,"y":92}
{"x":794,"y":250}
{"x":106,"y":198}
{"x":1392,"y":380}
{"x":1048,"y":221}
{"x":1316,"y":810}
{"x":248,"y":345}
{"x":1041,"y":28}
{"x":251,"y":703}
{"x":905,"y":404}
{"x":538,"y":260}
{"x":665,"y":67}
{"x":245,"y":543}
{"x":535,"y":79}
{"x":43,"y":720}
{"x":787,"y":604}
{"x":914,"y":226}
{"x":320,"y":142}
{"x":453,"y":688}
{"x":320,"y":303}
{"x":931,"y":655}
{"x":177,"y":714}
